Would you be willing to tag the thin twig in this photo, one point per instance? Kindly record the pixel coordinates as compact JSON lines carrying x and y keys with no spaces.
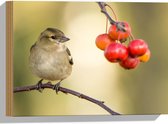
{"x":102,"y":6}
{"x":66,"y":91}
{"x":103,"y":10}
{"x":115,"y":16}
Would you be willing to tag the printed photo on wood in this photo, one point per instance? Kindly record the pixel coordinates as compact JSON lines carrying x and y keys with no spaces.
{"x":86,"y":58}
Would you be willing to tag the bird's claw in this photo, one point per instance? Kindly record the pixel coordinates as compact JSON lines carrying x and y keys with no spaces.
{"x":39,"y":84}
{"x":56,"y":87}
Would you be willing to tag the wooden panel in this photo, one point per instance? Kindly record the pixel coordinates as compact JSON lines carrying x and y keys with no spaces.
{"x":9,"y":58}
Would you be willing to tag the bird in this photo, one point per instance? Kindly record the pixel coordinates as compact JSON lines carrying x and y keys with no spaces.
{"x":49,"y":57}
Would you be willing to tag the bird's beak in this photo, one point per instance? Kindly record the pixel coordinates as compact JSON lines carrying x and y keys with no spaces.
{"x":64,"y":39}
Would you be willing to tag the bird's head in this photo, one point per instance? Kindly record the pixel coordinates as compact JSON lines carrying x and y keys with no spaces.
{"x":53,"y":35}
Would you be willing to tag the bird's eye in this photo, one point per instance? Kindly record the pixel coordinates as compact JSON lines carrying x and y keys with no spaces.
{"x":53,"y":37}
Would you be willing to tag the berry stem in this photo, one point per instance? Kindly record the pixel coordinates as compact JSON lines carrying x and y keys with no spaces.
{"x":115,"y":16}
{"x":103,"y":10}
{"x":106,"y":24}
{"x":112,"y":22}
{"x":132,"y":36}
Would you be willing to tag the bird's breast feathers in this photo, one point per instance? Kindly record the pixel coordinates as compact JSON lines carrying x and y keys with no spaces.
{"x":50,"y":64}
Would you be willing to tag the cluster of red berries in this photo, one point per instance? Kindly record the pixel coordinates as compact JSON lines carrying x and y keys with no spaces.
{"x":116,"y":51}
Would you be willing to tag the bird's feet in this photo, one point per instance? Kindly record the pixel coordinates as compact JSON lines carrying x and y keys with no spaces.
{"x":39,"y":84}
{"x":56,"y":87}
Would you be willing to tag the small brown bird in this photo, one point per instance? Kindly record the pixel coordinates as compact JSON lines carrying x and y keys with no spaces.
{"x":49,"y":58}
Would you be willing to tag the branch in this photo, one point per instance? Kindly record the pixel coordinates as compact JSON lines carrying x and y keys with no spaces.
{"x":66,"y":91}
{"x":102,"y":6}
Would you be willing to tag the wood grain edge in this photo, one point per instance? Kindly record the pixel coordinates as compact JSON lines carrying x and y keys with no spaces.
{"x":9,"y":58}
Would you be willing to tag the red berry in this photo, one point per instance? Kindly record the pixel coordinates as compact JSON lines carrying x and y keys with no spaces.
{"x":116,"y":34}
{"x":137,"y":47}
{"x":145,"y":57}
{"x":103,"y":40}
{"x":116,"y":52}
{"x":130,"y":63}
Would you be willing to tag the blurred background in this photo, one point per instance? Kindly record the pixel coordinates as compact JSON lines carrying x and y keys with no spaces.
{"x":143,"y":90}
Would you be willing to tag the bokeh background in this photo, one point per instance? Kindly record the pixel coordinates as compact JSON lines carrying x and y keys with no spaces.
{"x":140,"y":91}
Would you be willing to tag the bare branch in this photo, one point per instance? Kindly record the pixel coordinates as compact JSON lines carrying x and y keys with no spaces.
{"x":66,"y":91}
{"x":102,"y":6}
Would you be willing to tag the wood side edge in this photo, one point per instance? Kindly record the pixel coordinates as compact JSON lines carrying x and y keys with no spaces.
{"x":9,"y":58}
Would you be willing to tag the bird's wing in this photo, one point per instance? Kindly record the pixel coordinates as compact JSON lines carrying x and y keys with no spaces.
{"x":70,"y":57}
